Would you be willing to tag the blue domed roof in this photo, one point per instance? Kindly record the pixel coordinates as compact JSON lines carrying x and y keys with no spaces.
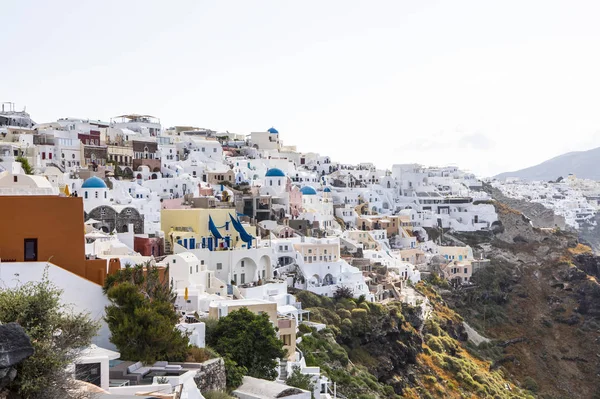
{"x":275,"y":172}
{"x":327,"y":190}
{"x":94,"y":182}
{"x":272,"y":130}
{"x":308,"y":190}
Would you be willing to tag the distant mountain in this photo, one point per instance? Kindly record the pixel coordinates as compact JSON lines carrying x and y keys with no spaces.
{"x":583,"y":164}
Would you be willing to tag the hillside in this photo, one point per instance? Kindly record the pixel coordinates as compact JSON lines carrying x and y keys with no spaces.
{"x":582,"y":164}
{"x":385,"y":351}
{"x":539,"y":303}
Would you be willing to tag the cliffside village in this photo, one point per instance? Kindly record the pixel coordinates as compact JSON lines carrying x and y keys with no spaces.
{"x":576,"y":200}
{"x":238,"y":219}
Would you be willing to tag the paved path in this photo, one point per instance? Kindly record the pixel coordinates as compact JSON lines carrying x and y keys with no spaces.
{"x":474,"y":336}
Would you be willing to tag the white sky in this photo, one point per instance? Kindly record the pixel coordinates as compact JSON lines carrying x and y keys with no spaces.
{"x":489,"y":86}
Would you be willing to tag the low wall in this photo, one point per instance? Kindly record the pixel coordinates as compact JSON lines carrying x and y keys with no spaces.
{"x":211,"y":375}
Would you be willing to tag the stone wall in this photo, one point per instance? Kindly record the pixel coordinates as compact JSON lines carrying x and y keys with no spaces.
{"x":211,"y":376}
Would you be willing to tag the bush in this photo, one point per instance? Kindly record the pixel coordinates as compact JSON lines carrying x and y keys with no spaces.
{"x":359,"y":314}
{"x":299,"y":380}
{"x":234,"y":374}
{"x":344,"y":313}
{"x":530,"y":384}
{"x":343,"y":292}
{"x":217,"y":395}
{"x":305,"y":329}
{"x":200,"y":355}
{"x":37,"y":307}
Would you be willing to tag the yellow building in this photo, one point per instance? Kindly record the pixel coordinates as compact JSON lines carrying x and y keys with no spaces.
{"x":314,"y":250}
{"x":191,"y":228}
{"x":460,"y":254}
{"x":286,"y":326}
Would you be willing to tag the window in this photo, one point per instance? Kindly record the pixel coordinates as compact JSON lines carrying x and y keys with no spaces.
{"x":30,"y":249}
{"x":325,"y":252}
{"x":96,"y":194}
{"x":190,"y":270}
{"x":243,"y":278}
{"x":214,"y":150}
{"x":243,"y":263}
{"x":15,"y":179}
{"x":86,"y":195}
{"x":203,"y":149}
{"x":202,"y":262}
{"x":235,"y":278}
{"x":174,"y":261}
{"x":310,"y":251}
{"x":287,"y":339}
{"x":263,"y":274}
{"x":196,"y":268}
{"x":270,"y":182}
{"x":73,"y":156}
{"x":219,"y":266}
{"x":466,"y":270}
{"x":102,"y":211}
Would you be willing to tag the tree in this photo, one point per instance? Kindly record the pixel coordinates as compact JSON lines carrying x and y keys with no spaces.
{"x":25,"y":165}
{"x":249,"y":340}
{"x":299,"y":380}
{"x":142,"y":316}
{"x":57,"y":335}
{"x":343,"y":292}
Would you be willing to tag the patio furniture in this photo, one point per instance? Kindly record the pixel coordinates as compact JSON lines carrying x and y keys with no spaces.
{"x":138,"y":369}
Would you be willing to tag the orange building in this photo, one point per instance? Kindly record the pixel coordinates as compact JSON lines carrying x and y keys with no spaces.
{"x":47,"y":228}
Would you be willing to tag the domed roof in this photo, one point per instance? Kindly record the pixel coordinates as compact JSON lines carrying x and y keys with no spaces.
{"x":308,"y":190}
{"x":275,"y":172}
{"x":272,"y":130}
{"x":327,"y":190}
{"x":94,"y":182}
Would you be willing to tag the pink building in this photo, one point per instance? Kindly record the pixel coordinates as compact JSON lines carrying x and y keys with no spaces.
{"x":295,"y":200}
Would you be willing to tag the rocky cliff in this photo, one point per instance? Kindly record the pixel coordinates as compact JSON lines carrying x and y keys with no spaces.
{"x":539,"y":303}
{"x":15,"y":346}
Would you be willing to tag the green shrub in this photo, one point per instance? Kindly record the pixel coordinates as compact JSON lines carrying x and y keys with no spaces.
{"x":434,"y":343}
{"x":530,"y":384}
{"x":305,"y":329}
{"x":344,"y":313}
{"x":234,"y":374}
{"x":429,"y":379}
{"x":359,"y":314}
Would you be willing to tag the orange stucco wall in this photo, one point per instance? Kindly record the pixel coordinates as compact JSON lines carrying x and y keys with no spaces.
{"x":57,"y":224}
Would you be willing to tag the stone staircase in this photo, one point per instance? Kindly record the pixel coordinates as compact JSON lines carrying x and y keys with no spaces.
{"x":168,"y":247}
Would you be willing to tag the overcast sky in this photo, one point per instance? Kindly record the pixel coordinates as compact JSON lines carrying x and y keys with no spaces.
{"x":488,"y":86}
